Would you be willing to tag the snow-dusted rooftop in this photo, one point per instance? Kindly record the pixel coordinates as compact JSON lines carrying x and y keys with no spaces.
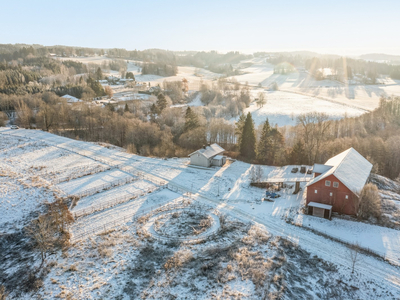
{"x":350,"y":167}
{"x":210,"y":151}
{"x":318,"y":168}
{"x":71,"y":99}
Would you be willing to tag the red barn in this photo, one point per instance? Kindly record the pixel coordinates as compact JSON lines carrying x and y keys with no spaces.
{"x":336,"y":184}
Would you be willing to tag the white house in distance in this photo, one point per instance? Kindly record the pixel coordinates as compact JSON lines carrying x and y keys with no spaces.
{"x":208,"y":156}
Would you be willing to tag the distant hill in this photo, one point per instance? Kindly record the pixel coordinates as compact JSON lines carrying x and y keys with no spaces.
{"x":380,"y":56}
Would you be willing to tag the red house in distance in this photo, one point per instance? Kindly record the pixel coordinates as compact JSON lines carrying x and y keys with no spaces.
{"x":337,"y":183}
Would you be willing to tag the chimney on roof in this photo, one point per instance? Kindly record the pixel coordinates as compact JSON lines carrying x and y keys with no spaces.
{"x":204,"y":146}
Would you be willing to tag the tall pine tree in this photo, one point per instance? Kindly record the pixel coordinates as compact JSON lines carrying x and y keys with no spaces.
{"x":297,"y":156}
{"x":278,"y":143}
{"x":265,"y":144}
{"x":99,"y":74}
{"x":239,"y":128}
{"x":191,"y":120}
{"x":248,"y":139}
{"x":161,"y":102}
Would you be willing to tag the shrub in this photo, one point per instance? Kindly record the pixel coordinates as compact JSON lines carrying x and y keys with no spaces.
{"x":3,"y":294}
{"x":369,"y":202}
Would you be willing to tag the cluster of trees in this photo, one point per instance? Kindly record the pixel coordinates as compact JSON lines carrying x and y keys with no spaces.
{"x":31,"y":73}
{"x":160,"y":69}
{"x":225,"y":99}
{"x":149,"y":130}
{"x":346,"y":68}
{"x":375,"y":135}
{"x":270,"y":148}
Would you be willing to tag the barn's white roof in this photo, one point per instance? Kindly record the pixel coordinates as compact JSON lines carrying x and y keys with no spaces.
{"x":210,"y":151}
{"x":350,"y":167}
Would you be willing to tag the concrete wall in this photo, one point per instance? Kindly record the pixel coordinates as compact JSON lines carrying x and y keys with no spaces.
{"x":199,"y":160}
{"x":333,"y":196}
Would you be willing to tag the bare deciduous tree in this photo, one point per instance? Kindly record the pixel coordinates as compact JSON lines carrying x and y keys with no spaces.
{"x":314,"y":126}
{"x":43,"y":233}
{"x":354,"y":255}
{"x":261,"y":99}
{"x":109,"y":91}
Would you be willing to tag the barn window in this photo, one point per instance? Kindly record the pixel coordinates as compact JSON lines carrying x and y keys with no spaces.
{"x":327,"y":183}
{"x":335,"y":184}
{"x":316,"y":191}
{"x":347,"y":196}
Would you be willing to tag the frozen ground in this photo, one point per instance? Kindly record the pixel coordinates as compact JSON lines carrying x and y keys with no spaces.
{"x":228,"y":190}
{"x":283,"y":108}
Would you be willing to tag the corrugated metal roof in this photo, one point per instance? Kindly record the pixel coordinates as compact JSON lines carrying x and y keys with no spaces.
{"x":350,"y":167}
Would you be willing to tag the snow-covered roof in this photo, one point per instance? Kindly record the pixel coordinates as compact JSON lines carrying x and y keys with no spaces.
{"x":284,"y":174}
{"x":318,"y":168}
{"x":350,"y":167}
{"x":71,"y":99}
{"x":210,"y":151}
{"x":320,"y":205}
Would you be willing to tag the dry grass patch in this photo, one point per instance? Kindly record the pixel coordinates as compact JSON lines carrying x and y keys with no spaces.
{"x":178,"y":259}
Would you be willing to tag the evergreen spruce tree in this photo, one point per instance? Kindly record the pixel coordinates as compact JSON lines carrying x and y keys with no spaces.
{"x":265,"y":144}
{"x":278,"y":143}
{"x":153,"y":113}
{"x":126,"y":109}
{"x":297,"y":155}
{"x":191,"y":120}
{"x":161,"y":102}
{"x":239,"y":128}
{"x":99,"y":74}
{"x":248,"y":140}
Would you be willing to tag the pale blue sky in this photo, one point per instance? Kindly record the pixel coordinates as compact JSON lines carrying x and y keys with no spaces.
{"x":343,"y":27}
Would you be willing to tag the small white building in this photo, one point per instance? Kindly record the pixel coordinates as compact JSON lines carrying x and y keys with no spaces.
{"x":71,"y":99}
{"x":208,"y":156}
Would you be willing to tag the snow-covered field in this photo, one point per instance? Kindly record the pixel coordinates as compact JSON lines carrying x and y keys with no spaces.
{"x":365,"y":97}
{"x":227,"y":189}
{"x":283,"y":108}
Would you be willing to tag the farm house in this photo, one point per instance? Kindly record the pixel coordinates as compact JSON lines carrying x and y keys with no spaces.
{"x":337,"y":184}
{"x":208,"y":156}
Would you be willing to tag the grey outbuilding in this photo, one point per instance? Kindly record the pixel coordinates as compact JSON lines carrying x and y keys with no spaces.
{"x":208,"y":156}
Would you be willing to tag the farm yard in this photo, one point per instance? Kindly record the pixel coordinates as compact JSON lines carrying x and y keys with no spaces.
{"x":148,"y":227}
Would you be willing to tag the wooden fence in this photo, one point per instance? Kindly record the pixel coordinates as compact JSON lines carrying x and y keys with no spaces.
{"x":115,"y":201}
